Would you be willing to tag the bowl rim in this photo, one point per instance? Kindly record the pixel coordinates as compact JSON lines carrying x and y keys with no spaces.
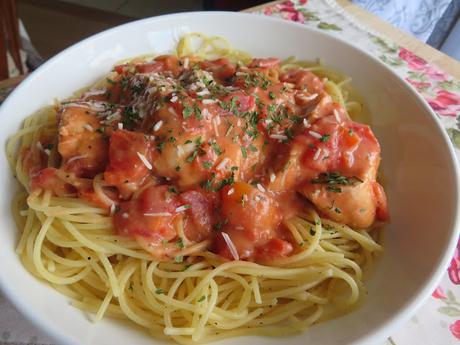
{"x":388,"y":326}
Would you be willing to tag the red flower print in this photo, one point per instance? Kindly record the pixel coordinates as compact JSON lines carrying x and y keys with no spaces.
{"x":439,"y":293}
{"x":455,"y":329}
{"x":454,"y":270}
{"x":419,"y":85}
{"x":446,"y":103}
{"x":416,"y":63}
{"x":413,"y":61}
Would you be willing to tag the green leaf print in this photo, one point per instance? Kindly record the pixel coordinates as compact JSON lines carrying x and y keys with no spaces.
{"x":327,"y":26}
{"x":383,"y":44}
{"x":417,"y":76}
{"x":449,"y":311}
{"x":396,"y":61}
{"x":454,"y":135}
{"x":308,"y":15}
{"x":450,"y":85}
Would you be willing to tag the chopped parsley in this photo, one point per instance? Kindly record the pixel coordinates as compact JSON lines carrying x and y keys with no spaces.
{"x":159,"y":291}
{"x":180,"y":243}
{"x":252,"y":148}
{"x":187,"y":112}
{"x":334,"y":180}
{"x":207,"y":165}
{"x":216,"y":147}
{"x":244,"y":152}
{"x":178,"y":259}
{"x":197,"y":111}
{"x":202,"y":298}
{"x":325,"y":138}
{"x":173,"y":190}
{"x":271,"y":94}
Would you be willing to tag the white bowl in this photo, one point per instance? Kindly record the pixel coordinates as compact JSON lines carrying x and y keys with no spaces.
{"x":421,"y":176}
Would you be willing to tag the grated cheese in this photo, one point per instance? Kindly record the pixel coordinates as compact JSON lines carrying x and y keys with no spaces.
{"x":317,"y":153}
{"x":261,"y":188}
{"x":230,"y":245}
{"x":158,"y":214}
{"x":182,"y":208}
{"x":158,"y":125}
{"x":144,"y":160}
{"x":76,"y":158}
{"x":278,"y":136}
{"x":209,"y":101}
{"x":315,"y":134}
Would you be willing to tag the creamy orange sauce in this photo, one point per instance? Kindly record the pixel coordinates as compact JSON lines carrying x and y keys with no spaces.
{"x":227,"y":152}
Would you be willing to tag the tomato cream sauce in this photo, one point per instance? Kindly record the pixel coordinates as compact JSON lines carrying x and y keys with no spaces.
{"x":226,"y":152}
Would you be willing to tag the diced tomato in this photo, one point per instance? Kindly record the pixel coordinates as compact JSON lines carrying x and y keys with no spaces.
{"x":381,"y":200}
{"x":247,"y":207}
{"x":47,"y":179}
{"x":220,"y":68}
{"x":150,"y":216}
{"x":160,"y":64}
{"x":200,"y":214}
{"x":125,"y":164}
{"x":239,"y":101}
{"x":303,"y":80}
{"x":264,"y":63}
{"x":273,"y":249}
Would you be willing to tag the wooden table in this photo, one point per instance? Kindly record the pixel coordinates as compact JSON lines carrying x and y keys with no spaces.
{"x":423,"y":50}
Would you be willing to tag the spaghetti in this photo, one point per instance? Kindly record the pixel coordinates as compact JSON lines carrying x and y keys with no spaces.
{"x":196,"y":286}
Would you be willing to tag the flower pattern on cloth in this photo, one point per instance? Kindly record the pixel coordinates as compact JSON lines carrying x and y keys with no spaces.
{"x":438,"y":320}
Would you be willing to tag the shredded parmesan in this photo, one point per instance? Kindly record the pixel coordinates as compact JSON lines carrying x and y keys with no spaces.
{"x":216,"y":129}
{"x":223,"y":164}
{"x":144,"y":160}
{"x":317,"y":153}
{"x":203,"y":92}
{"x":206,"y":113}
{"x":315,"y":134}
{"x":309,"y":98}
{"x":174,"y":99}
{"x":261,"y":188}
{"x":231,"y":191}
{"x":272,"y":177}
{"x":47,"y":152}
{"x":180,"y":150}
{"x":245,"y":198}
{"x":112,"y":209}
{"x":218,"y":120}
{"x":336,"y":114}
{"x":120,"y":125}
{"x":158,"y":125}
{"x":209,"y":101}
{"x":182,"y":208}
{"x":230,"y":245}
{"x":88,"y":127}
{"x":305,"y":123}
{"x":186,"y":61}
{"x":278,"y":136}
{"x":76,"y":158}
{"x":125,"y":215}
{"x":39,"y":146}
{"x":157,"y":214}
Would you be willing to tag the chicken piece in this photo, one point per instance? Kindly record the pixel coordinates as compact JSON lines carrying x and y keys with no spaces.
{"x":334,"y":165}
{"x":82,"y":147}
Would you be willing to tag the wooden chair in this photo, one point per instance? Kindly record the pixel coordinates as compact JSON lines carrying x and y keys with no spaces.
{"x":10,"y":41}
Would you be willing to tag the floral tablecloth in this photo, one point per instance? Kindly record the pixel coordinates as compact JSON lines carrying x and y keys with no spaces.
{"x":438,"y":321}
